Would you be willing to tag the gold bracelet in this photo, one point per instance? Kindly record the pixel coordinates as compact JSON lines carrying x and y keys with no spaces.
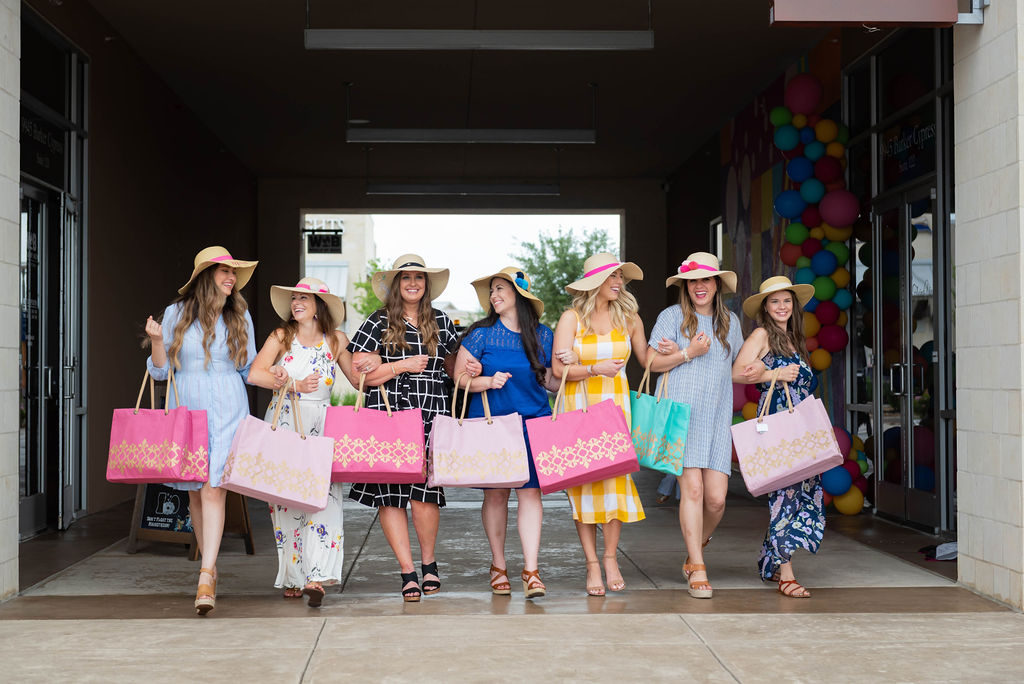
{"x":686,"y":357}
{"x":394,"y":374}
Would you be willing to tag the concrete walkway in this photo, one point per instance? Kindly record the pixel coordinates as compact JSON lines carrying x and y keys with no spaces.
{"x":873,"y":617}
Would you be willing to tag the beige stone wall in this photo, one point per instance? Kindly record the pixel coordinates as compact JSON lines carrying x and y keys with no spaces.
{"x":10,"y":88}
{"x":988,"y":106}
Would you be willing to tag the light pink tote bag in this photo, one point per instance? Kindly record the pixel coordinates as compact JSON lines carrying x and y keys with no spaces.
{"x":158,"y":445}
{"x":477,"y":452}
{"x":576,"y":447}
{"x":383,"y":447}
{"x":280,"y":466}
{"x":781,"y":449}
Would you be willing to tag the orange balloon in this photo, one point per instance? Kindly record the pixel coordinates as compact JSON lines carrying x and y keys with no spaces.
{"x":820,"y":359}
{"x":811,"y":324}
{"x":749,"y":410}
{"x":841,"y":277}
{"x":799,"y":120}
{"x":835,"y":149}
{"x":817,"y":232}
{"x":826,"y":130}
{"x":837,"y":234}
{"x":842,"y":321}
{"x":812,"y":343}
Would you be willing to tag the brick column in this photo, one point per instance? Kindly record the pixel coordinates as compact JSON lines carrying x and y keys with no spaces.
{"x":989,"y":271}
{"x":10,"y":217}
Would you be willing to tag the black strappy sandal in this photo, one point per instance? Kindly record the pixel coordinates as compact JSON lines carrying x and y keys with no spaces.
{"x":430,"y":586}
{"x":412,"y":594}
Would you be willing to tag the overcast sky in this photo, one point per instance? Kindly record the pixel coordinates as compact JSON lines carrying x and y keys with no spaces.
{"x":473,"y":245}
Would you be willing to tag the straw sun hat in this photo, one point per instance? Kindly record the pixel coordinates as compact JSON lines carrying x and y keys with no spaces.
{"x":281,"y":298}
{"x":752,"y":304}
{"x":596,"y":270}
{"x":438,"y":277}
{"x":214,"y":256}
{"x":702,"y":265}
{"x":519,"y":280}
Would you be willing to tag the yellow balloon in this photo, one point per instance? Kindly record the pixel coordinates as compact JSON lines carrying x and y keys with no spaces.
{"x":841,"y":277}
{"x":849,"y":503}
{"x":857,"y":443}
{"x":749,"y":410}
{"x":811,"y":324}
{"x":891,"y":356}
{"x":841,"y":322}
{"x":817,"y":233}
{"x":837,"y":234}
{"x":799,"y":120}
{"x":826,"y":130}
{"x":820,"y":359}
{"x":836,"y":149}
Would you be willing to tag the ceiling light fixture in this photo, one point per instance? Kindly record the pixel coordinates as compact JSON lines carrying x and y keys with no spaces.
{"x":465,"y":39}
{"x":465,"y":189}
{"x":497,"y":136}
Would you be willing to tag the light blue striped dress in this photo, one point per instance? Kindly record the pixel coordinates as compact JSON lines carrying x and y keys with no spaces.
{"x":219,"y":388}
{"x":705,"y":383}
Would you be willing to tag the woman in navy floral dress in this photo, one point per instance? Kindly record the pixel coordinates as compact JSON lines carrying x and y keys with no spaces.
{"x":777,"y":348}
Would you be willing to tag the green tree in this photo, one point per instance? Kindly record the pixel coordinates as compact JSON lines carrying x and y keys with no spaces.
{"x":365,"y":301}
{"x":554,"y":261}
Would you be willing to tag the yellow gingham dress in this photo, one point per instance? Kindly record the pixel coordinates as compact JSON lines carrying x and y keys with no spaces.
{"x":616,"y":498}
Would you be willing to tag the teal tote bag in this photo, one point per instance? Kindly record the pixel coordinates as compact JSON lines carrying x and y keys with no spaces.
{"x":659,"y":428}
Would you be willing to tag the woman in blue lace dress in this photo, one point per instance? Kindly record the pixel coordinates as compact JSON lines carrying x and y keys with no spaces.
{"x":777,"y":348}
{"x":514,"y":349}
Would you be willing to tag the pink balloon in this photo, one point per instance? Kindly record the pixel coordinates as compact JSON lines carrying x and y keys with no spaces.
{"x":753,"y":394}
{"x":832,"y":338}
{"x":738,"y":397}
{"x":852,"y":467}
{"x":861,"y":483}
{"x":828,"y":170}
{"x":827,"y":312}
{"x":811,"y":217}
{"x":839,"y":208}
{"x":803,"y":94}
{"x":843,"y":437}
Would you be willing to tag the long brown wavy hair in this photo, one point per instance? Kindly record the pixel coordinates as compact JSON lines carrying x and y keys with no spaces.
{"x":202,"y":302}
{"x":394,"y":337}
{"x":783,"y":343}
{"x":719,"y":314}
{"x":324,"y":321}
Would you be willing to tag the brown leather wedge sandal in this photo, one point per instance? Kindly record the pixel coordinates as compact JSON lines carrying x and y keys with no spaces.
{"x":698,"y":588}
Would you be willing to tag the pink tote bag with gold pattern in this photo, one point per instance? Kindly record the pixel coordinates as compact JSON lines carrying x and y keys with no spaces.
{"x":576,"y":447}
{"x":781,"y":449}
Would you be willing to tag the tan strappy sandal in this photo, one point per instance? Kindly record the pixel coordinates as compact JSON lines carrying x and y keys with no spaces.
{"x":694,"y":587}
{"x":500,"y":588}
{"x":597,"y":589}
{"x":206,"y":594}
{"x":532,"y":586}
{"x":687,"y":561}
{"x":618,"y":584}
{"x":793,"y":589}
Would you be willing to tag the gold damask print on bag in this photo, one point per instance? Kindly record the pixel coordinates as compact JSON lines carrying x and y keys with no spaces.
{"x":603,"y":447}
{"x":371,"y":451}
{"x":788,"y":452}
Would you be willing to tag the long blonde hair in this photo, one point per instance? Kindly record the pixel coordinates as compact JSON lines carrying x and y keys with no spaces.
{"x":202,"y":302}
{"x":719,"y":314}
{"x":782,"y":343}
{"x":394,"y":337}
{"x":622,"y":310}
{"x":324,"y":321}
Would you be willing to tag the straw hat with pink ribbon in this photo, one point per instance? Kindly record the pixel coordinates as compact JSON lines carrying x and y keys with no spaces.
{"x":281,"y":298}
{"x":215,"y":256}
{"x":596,"y":270}
{"x":702,"y":265}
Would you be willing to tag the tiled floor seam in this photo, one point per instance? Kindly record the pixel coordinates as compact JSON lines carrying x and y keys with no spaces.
{"x":709,"y":649}
{"x":312,"y":651}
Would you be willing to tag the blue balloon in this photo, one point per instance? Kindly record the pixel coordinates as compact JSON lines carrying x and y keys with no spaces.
{"x":807,"y":134}
{"x":814,"y":151}
{"x":804,"y":276}
{"x":812,"y":190}
{"x":789,"y":204}
{"x":836,"y":481}
{"x":824,"y":263}
{"x":891,"y":438}
{"x":842,"y":298}
{"x":786,"y":138}
{"x":800,"y":169}
{"x":812,"y":303}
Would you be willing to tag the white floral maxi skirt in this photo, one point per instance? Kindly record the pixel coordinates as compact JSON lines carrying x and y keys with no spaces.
{"x":310,"y":546}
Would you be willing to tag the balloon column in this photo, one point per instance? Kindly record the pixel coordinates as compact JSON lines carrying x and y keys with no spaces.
{"x":820,"y":213}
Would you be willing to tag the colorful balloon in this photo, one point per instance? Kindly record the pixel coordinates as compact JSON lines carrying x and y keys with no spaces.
{"x":796,"y":233}
{"x":812,"y":190}
{"x":803,"y":94}
{"x":790,"y":253}
{"x":837,"y":234}
{"x":824,"y":287}
{"x":814,"y":151}
{"x":832,"y":338}
{"x":828,"y":169}
{"x":835,"y":149}
{"x":817,"y":233}
{"x":789,"y":204}
{"x":826,"y":130}
{"x":806,"y":135}
{"x":799,"y":120}
{"x":827,"y":313}
{"x":839,"y":208}
{"x":752,"y":393}
{"x":841,"y":251}
{"x":841,"y":276}
{"x":810,"y":246}
{"x":786,"y":137}
{"x":820,"y":359}
{"x":836,"y":480}
{"x":739,"y":397}
{"x":802,"y":261}
{"x":850,"y":502}
{"x":812,"y":343}
{"x":749,"y":410}
{"x":803,"y":276}
{"x":780,"y":116}
{"x":800,"y":169}
{"x":824,"y":263}
{"x":811,"y":304}
{"x":811,"y":324}
{"x":843,"y":299}
{"x":843,"y":439}
{"x":811,"y":217}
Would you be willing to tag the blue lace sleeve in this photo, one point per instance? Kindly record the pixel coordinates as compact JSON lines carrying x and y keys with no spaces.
{"x":547,"y":341}
{"x":474,"y":343}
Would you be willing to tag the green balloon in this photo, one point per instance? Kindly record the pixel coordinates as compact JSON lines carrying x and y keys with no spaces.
{"x":824,"y":288}
{"x":803,"y":262}
{"x":796,"y":233}
{"x":863,"y":466}
{"x":841,"y":251}
{"x":780,"y":116}
{"x":736,"y":420}
{"x":844,"y":134}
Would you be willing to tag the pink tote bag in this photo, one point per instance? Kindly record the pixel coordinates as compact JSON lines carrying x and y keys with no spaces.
{"x":280,"y":466}
{"x":576,"y":447}
{"x":158,"y":445}
{"x":782,"y":449}
{"x":382,"y":447}
{"x":477,"y":452}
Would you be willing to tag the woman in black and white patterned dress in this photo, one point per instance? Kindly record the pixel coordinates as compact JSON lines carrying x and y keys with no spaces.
{"x":417,"y":345}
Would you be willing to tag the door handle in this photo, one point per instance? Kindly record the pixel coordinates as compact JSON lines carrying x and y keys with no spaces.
{"x":48,"y":394}
{"x":70,"y":370}
{"x":897,"y":392}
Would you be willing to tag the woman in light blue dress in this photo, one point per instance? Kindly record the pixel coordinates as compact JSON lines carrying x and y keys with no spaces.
{"x":207,"y":334}
{"x":697,"y":341}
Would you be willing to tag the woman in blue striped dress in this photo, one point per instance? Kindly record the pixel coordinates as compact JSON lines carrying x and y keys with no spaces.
{"x":207,"y":334}
{"x":697,"y":341}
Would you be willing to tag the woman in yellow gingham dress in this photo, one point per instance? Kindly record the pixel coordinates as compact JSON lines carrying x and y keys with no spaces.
{"x":599,"y":333}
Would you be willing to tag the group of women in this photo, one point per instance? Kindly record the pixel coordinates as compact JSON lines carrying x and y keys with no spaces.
{"x":409,"y":350}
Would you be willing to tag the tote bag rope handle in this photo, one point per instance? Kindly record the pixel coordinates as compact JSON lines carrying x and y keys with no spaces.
{"x":288,"y":391}
{"x":359,"y":396}
{"x":645,"y":381}
{"x":465,"y":399}
{"x":771,"y":391}
{"x":152,"y":392}
{"x":560,"y":397}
